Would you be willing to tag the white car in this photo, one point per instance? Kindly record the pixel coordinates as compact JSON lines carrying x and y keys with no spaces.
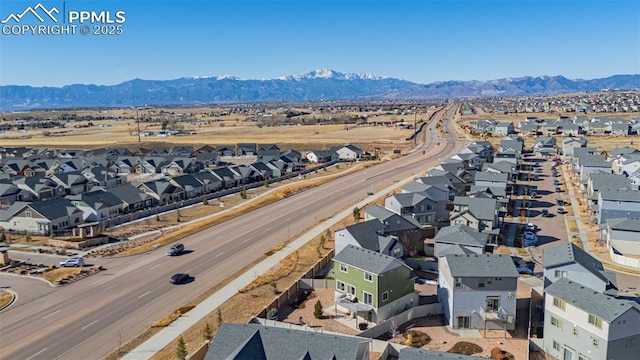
{"x":72,"y":262}
{"x":530,"y":227}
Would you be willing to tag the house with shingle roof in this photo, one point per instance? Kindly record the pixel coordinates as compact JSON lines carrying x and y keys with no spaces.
{"x":97,"y":205}
{"x":369,"y":235}
{"x":460,"y":235}
{"x":566,"y":260}
{"x":580,"y":323}
{"x":254,"y":341}
{"x":73,"y":182}
{"x":163,"y":191}
{"x":373,"y":286}
{"x":41,"y":217}
{"x":410,"y":233}
{"x":623,"y":235}
{"x":420,"y":206}
{"x":478,"y":291}
{"x":570,"y":143}
{"x":190,"y":184}
{"x":133,"y":198}
{"x":477,"y":212}
{"x":617,"y":203}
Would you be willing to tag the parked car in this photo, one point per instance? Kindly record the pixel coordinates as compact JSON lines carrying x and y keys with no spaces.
{"x":72,"y":262}
{"x":524,"y":270}
{"x":561,"y":210}
{"x":545,"y":213}
{"x":558,"y":189}
{"x":179,"y":278}
{"x":529,"y":235}
{"x":556,"y":182}
{"x":176,"y":249}
{"x":560,"y":202}
{"x":530,"y":227}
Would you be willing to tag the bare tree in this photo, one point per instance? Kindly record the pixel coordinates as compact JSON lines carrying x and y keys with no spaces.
{"x":393,"y":328}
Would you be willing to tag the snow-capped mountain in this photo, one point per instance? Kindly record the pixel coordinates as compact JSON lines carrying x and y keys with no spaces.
{"x":321,"y":84}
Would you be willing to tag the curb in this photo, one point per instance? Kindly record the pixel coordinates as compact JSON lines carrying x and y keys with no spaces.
{"x":13,"y":299}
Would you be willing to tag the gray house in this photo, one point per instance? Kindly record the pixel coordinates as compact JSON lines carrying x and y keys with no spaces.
{"x":617,"y":204}
{"x":567,"y":261}
{"x":253,"y":341}
{"x":570,"y":143}
{"x":623,"y":235}
{"x":462,"y":236}
{"x":368,"y":235}
{"x":478,"y":291}
{"x":41,"y":217}
{"x":580,"y":323}
{"x":420,"y":206}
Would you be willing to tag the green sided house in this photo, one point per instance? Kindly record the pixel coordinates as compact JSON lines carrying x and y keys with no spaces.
{"x":371,"y":285}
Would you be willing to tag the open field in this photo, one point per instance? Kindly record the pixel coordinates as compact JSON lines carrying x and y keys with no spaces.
{"x":120,"y":127}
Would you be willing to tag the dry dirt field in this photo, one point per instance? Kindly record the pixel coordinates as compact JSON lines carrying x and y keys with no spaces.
{"x":204,"y":129}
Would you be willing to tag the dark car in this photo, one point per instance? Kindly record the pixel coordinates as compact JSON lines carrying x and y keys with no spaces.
{"x":179,"y":278}
{"x":545,"y":212}
{"x":558,"y":189}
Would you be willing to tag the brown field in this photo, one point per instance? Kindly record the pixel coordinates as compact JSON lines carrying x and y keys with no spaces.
{"x":5,"y":298}
{"x":206,"y":130}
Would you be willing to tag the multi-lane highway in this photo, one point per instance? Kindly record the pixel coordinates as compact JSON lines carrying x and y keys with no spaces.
{"x":93,"y":317}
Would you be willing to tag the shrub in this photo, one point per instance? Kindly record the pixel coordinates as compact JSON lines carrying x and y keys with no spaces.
{"x":272,"y":314}
{"x":181,"y":349}
{"x":317,"y":310}
{"x":274,"y":287}
{"x":205,"y":202}
{"x":207,"y":332}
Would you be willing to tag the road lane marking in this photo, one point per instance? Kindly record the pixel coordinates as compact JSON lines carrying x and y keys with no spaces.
{"x":36,"y":354}
{"x":155,"y":266}
{"x":219,"y":254}
{"x":89,"y":324}
{"x":143,"y":295}
{"x":244,"y":241}
{"x":53,"y":313}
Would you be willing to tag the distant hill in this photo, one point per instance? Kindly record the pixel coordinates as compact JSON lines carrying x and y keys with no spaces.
{"x":322,"y":84}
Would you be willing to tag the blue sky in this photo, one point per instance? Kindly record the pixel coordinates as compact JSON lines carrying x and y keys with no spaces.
{"x":421,"y":41}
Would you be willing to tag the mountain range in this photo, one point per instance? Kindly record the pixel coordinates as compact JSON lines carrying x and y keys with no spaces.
{"x":321,"y":84}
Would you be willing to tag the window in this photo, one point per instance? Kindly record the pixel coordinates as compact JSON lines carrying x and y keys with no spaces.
{"x":630,"y":343}
{"x":556,"y":322}
{"x":77,"y":220}
{"x":27,"y":214}
{"x":582,"y":357}
{"x":493,"y":303}
{"x":458,"y":283}
{"x":481,"y":283}
{"x":367,"y":298}
{"x":385,"y":296}
{"x":350,"y":289}
{"x":575,"y":331}
{"x":595,"y":342}
{"x":560,"y":274}
{"x":396,"y":251}
{"x":368,"y":276}
{"x":557,"y":346}
{"x":344,"y":268}
{"x":596,"y":321}
{"x":339,"y":285}
{"x":559,"y":303}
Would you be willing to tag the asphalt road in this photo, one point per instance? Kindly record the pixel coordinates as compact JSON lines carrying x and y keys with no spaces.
{"x":91,"y":318}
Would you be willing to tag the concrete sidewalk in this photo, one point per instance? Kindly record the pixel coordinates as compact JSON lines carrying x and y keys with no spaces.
{"x":153,"y":345}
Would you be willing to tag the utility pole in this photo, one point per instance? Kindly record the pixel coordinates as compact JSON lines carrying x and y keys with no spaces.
{"x":415,"y":128}
{"x":138,"y":121}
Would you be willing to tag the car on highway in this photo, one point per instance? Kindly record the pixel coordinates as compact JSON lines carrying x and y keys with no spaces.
{"x":179,"y":278}
{"x":72,"y":262}
{"x":176,"y":249}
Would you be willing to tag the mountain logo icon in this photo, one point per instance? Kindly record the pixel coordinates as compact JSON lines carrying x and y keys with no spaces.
{"x":35,"y":12}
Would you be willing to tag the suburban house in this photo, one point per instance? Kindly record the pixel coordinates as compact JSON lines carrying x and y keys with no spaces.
{"x":246,"y":149}
{"x":226,"y":176}
{"x":591,"y":166}
{"x":348,"y":152}
{"x":162,"y":191}
{"x":103,"y":176}
{"x":133,"y":199}
{"x":617,"y":203}
{"x":188,"y":183}
{"x":408,"y":231}
{"x":493,"y":179}
{"x":623,"y":235}
{"x":478,"y":291}
{"x":545,"y":146}
{"x":254,"y":341}
{"x":512,"y":144}
{"x":570,"y":143}
{"x":567,"y":261}
{"x":97,"y":205}
{"x":478,"y":213}
{"x":583,"y":324}
{"x":73,"y":182}
{"x":268,"y":151}
{"x":368,"y":235}
{"x":41,"y":217}
{"x":420,"y":206}
{"x":371,"y":285}
{"x":503,"y":128}
{"x":321,"y":156}
{"x":463,"y":236}
{"x":9,"y":193}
